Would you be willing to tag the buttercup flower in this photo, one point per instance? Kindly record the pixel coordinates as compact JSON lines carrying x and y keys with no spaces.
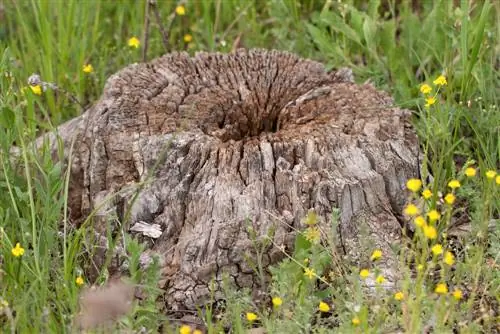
{"x":277,"y":301}
{"x":180,"y":10}
{"x":197,"y":331}
{"x":37,"y":89}
{"x":79,"y":280}
{"x":323,"y":307}
{"x":457,"y":294}
{"x":188,"y":38}
{"x":453,"y":184}
{"x":425,"y":89}
{"x":399,"y":295}
{"x":377,"y":254}
{"x":414,"y":185}
{"x":134,"y":42}
{"x":449,"y":258}
{"x":419,"y":221}
{"x":184,"y":329}
{"x":440,"y":81}
{"x":433,"y":215}
{"x":18,"y":250}
{"x":497,"y":179}
{"x":364,"y":273}
{"x":251,"y":316}
{"x":430,"y":232}
{"x":430,"y":101}
{"x":380,"y":279}
{"x":441,"y":288}
{"x":88,"y":68}
{"x":470,"y":172}
{"x":426,"y":194}
{"x":450,"y":199}
{"x":491,"y":174}
{"x":356,"y":321}
{"x":437,"y":249}
{"x":411,"y":210}
{"x":312,"y":234}
{"x":309,"y":273}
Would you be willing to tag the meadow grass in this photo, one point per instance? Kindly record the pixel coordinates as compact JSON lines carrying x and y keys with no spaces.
{"x":396,"y":47}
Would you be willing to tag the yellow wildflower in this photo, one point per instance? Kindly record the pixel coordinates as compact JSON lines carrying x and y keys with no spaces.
{"x":425,"y":89}
{"x":420,"y":267}
{"x":433,"y":215}
{"x":18,"y":250}
{"x":414,"y":185}
{"x":188,"y":38}
{"x":251,"y":316}
{"x":180,"y":10}
{"x":453,"y":184}
{"x":37,"y":89}
{"x":323,"y":307}
{"x":312,"y":234}
{"x":197,"y":331}
{"x":441,"y":288}
{"x":309,"y":273}
{"x":437,"y":249}
{"x":470,"y":172}
{"x":88,"y":68}
{"x":440,"y":81}
{"x":497,"y":179}
{"x":356,"y":321}
{"x":377,"y":254}
{"x":457,"y":294}
{"x":79,"y":280}
{"x":277,"y":301}
{"x":134,"y":42}
{"x":184,"y":329}
{"x":399,"y":295}
{"x":364,"y":273}
{"x":430,"y":232}
{"x":450,"y":199}
{"x":449,"y":259}
{"x":430,"y":101}
{"x":380,"y":279}
{"x":491,"y":174}
{"x":426,"y":194}
{"x":411,"y":210}
{"x":419,"y":221}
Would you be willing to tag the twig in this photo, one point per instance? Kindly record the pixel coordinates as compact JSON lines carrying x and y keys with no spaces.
{"x":164,"y":33}
{"x":146,"y":32}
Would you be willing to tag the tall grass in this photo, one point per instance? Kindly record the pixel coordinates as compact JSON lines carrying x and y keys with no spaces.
{"x":396,"y":45}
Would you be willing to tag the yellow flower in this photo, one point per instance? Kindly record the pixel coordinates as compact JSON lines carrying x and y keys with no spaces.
{"x":277,"y":301}
{"x":449,"y":259}
{"x":453,"y":184}
{"x":180,"y":10}
{"x":37,"y":89}
{"x":79,"y":280}
{"x":420,"y":267}
{"x":440,"y":81}
{"x":489,"y":174}
{"x":364,"y":273}
{"x":430,"y":101}
{"x":419,"y":221}
{"x":323,"y":307}
{"x":411,"y":210}
{"x":470,"y":172}
{"x":18,"y":250}
{"x":380,"y":279}
{"x":188,"y":38}
{"x":414,"y":185}
{"x":88,"y":68}
{"x":312,"y":234}
{"x":251,"y":316}
{"x":197,"y":331}
{"x":311,"y":218}
{"x":433,"y":215}
{"x":309,"y":273}
{"x":356,"y":321}
{"x":377,"y":254}
{"x":134,"y":42}
{"x":450,"y":199}
{"x":497,"y":179}
{"x":399,"y":295}
{"x":457,"y":294}
{"x":437,"y":249}
{"x":441,"y":288}
{"x":184,"y":329}
{"x":430,"y":232}
{"x":426,"y":194}
{"x":425,"y":89}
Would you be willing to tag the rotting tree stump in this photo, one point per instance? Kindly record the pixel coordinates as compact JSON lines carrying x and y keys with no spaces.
{"x":259,"y":137}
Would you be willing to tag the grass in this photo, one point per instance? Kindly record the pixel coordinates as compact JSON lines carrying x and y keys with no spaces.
{"x":395,"y":47}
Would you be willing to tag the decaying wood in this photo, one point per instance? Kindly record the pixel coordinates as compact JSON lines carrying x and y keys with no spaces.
{"x":253,"y":137}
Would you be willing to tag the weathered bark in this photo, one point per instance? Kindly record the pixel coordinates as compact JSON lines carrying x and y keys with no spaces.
{"x":255,"y":136}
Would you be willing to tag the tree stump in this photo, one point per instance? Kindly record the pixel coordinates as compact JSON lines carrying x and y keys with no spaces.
{"x":216,"y":141}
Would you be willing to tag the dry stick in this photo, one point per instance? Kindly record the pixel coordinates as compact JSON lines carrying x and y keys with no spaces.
{"x":164,"y":33}
{"x":146,"y":32}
